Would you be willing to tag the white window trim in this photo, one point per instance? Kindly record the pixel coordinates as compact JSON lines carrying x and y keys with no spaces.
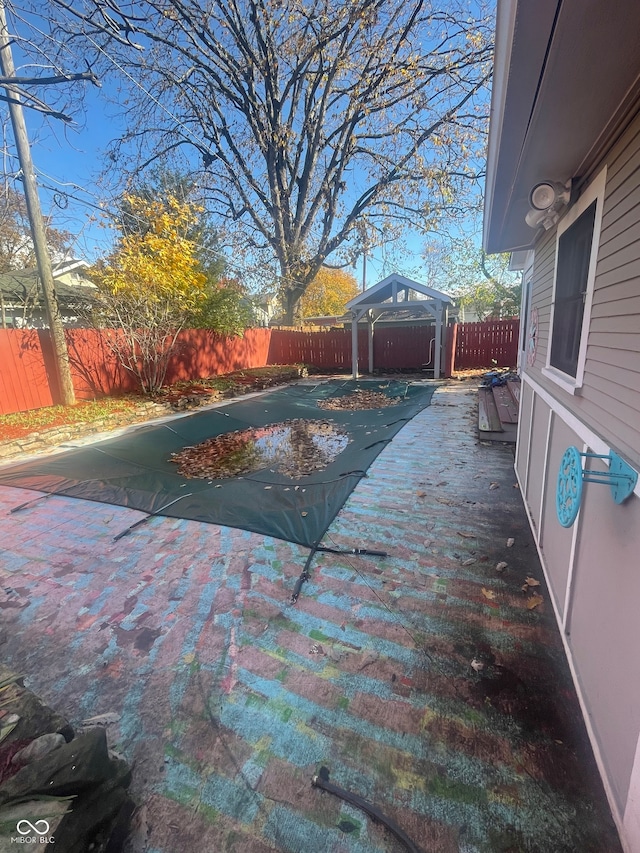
{"x":525,"y":310}
{"x":594,"y":192}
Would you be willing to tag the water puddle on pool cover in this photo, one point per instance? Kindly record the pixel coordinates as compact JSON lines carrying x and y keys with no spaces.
{"x":295,"y":448}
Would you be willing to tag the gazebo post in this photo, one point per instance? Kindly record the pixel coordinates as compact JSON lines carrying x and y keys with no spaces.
{"x":445,"y":324}
{"x":437,"y":354}
{"x":383,"y":298}
{"x":354,"y":344}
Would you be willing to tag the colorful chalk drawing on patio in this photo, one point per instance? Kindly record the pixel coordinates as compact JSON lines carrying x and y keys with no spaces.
{"x":295,"y":448}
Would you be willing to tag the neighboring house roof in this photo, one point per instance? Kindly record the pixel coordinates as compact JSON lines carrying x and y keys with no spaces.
{"x":70,"y":265}
{"x":19,"y":286}
{"x":266,"y":298}
{"x":394,"y":286}
{"x":553,"y":107}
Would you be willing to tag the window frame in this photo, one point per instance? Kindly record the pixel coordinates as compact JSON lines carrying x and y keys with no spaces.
{"x":593,"y":193}
{"x":525,"y":310}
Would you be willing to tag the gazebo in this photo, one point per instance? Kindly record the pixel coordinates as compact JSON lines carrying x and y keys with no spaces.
{"x":394,"y":295}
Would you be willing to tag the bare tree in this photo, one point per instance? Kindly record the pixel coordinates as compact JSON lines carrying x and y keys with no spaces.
{"x":308,"y":117}
{"x":16,"y":243}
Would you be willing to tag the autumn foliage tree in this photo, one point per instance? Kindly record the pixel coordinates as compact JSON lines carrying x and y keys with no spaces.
{"x":149,"y":288}
{"x":328,"y":293}
{"x":225,"y":306}
{"x":315,"y":127}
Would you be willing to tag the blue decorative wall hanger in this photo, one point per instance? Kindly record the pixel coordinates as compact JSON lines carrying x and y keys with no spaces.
{"x":621,"y":479}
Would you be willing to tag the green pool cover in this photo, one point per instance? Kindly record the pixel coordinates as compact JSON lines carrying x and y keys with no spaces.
{"x":135,"y":469}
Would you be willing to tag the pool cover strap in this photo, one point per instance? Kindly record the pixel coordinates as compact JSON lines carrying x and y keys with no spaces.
{"x":135,"y":469}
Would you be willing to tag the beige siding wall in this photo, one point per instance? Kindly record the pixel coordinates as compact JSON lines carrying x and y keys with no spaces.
{"x":524,"y":435}
{"x":603,"y":627}
{"x":593,"y":574}
{"x":536,"y":469}
{"x":555,"y":539}
{"x":541,"y":295}
{"x":593,"y":568}
{"x":609,"y":401}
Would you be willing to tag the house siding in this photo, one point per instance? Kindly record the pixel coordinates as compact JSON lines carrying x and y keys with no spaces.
{"x":541,"y":294}
{"x":593,"y":578}
{"x":592,"y":567}
{"x":555,"y":539}
{"x":609,"y":400}
{"x":603,"y":627}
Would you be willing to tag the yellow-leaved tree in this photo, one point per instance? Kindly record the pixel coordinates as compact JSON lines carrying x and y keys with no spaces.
{"x":150,"y":286}
{"x":328,"y":293}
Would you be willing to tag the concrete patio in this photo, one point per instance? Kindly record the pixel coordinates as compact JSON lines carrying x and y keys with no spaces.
{"x":429,"y":683}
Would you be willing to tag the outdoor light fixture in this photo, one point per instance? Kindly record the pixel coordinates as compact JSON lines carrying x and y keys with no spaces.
{"x":546,"y":198}
{"x":536,"y":218}
{"x":547,"y":194}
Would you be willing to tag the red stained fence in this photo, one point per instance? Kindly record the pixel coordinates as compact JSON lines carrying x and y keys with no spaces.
{"x":328,"y":349}
{"x":27,"y":376}
{"x":393,"y":348}
{"x":24,"y":381}
{"x":493,"y":343}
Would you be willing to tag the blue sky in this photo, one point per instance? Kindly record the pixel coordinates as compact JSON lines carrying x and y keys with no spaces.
{"x":69,"y":160}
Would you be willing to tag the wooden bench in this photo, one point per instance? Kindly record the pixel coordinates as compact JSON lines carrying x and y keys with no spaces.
{"x":488,"y":416}
{"x":498,"y":411}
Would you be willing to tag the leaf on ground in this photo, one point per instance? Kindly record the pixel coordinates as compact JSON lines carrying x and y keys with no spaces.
{"x":534,"y":601}
{"x":469,"y":562}
{"x":493,"y":486}
{"x":466,"y":535}
{"x":489,"y":593}
{"x":510,"y":542}
{"x":501,"y":566}
{"x":531,"y":581}
{"x":422,"y":494}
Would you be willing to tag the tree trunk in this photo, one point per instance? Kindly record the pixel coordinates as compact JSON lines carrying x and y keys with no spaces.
{"x":292,"y":308}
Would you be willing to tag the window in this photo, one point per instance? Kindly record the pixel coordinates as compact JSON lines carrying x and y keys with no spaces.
{"x":576,"y":253}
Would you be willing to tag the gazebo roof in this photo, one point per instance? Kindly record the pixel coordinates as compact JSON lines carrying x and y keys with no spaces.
{"x":387,"y":291}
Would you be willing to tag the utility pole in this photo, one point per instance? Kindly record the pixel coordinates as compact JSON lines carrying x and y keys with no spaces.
{"x":60,"y":352}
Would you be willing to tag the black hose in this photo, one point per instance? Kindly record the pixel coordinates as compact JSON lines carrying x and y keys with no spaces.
{"x":304,"y":576}
{"x":362,"y":551}
{"x":322,"y":781}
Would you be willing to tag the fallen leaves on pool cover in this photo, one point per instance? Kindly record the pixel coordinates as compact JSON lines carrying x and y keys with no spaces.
{"x":294,"y":448}
{"x":360,"y":399}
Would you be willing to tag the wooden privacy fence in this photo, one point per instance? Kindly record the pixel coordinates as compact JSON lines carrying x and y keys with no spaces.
{"x":492,"y":343}
{"x":27,"y":377}
{"x":394,"y":348}
{"x":328,"y":349}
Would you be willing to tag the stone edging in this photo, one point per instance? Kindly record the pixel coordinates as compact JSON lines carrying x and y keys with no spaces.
{"x":38,"y":442}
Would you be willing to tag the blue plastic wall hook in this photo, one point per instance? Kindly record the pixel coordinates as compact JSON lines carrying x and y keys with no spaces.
{"x":621,"y":479}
